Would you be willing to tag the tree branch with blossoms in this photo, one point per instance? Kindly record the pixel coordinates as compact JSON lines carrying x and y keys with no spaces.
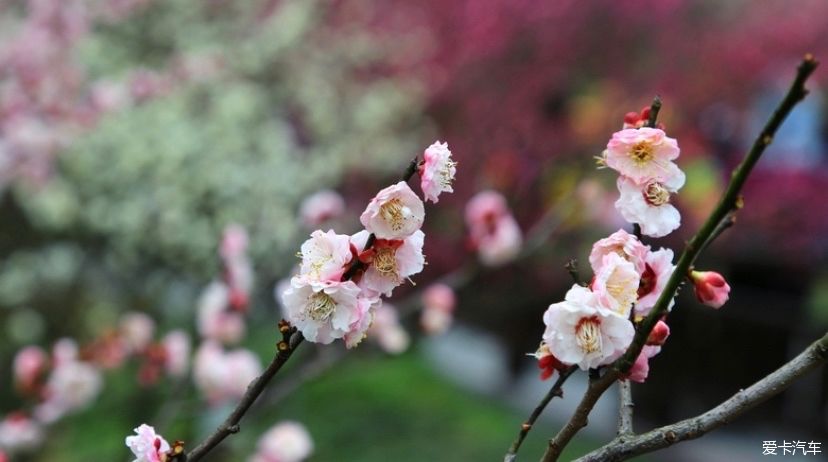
{"x":726,"y":205}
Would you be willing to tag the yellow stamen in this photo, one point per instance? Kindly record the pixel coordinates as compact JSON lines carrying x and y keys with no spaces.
{"x":320,"y":306}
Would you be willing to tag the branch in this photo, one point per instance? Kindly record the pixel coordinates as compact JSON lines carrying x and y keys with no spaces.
{"x":727,"y":202}
{"x":654,"y":108}
{"x":625,"y":408}
{"x":625,"y":447}
{"x":290,"y":340}
{"x":555,"y":391}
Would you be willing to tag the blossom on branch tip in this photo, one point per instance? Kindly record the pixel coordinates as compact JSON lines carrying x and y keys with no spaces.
{"x":710,"y":287}
{"x":437,"y":171}
{"x":642,"y":155}
{"x":322,"y":311}
{"x":394,"y":213}
{"x":147,"y":446}
{"x":579,"y":331}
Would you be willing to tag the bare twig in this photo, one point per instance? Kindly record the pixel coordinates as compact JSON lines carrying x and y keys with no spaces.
{"x":623,"y":448}
{"x":727,"y":202}
{"x":654,"y":108}
{"x":625,"y":408}
{"x":290,"y":340}
{"x":555,"y":391}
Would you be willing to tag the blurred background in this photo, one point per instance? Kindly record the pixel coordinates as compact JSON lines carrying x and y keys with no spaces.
{"x":134,"y":132}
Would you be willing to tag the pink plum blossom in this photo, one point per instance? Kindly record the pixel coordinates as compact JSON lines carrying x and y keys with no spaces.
{"x":176,"y":346}
{"x":137,"y":330}
{"x":284,"y":442}
{"x":649,"y":204}
{"x":30,"y":363}
{"x":616,"y":284}
{"x":19,"y":432}
{"x":391,"y":261}
{"x":367,"y":304}
{"x":234,"y":242}
{"x":642,"y":155}
{"x":437,"y":171}
{"x":659,"y":334}
{"x":578,"y":331}
{"x":493,"y":230}
{"x":622,"y":243}
{"x":641,"y":368}
{"x":72,"y":385}
{"x":657,"y":271}
{"x":322,"y":311}
{"x":63,"y":351}
{"x":222,"y":375}
{"x":387,"y":330}
{"x":438,"y":306}
{"x":711,"y":288}
{"x":325,"y":255}
{"x":238,"y":271}
{"x":321,"y":207}
{"x":147,"y":446}
{"x":214,"y":318}
{"x":394,"y":213}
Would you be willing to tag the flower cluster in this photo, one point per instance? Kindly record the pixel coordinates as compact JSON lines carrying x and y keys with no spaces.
{"x":341,"y":278}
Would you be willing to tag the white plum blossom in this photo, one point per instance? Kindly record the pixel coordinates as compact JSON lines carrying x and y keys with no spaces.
{"x":136,"y":330}
{"x":146,"y":445}
{"x":284,"y":442}
{"x":71,"y":386}
{"x":214,"y":318}
{"x":437,"y":171}
{"x":578,"y":331}
{"x":392,"y":261}
{"x":325,"y":255}
{"x":367,"y":304}
{"x":322,"y":311}
{"x":321,"y":207}
{"x":616,"y":284}
{"x":19,"y":432}
{"x":649,"y":204}
{"x":658,"y":269}
{"x":177,"y":352}
{"x":394,"y":213}
{"x":622,"y":243}
{"x":642,"y":154}
{"x":221,"y":375}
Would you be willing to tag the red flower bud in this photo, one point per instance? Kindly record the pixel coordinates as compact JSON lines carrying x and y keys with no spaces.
{"x":710,"y":287}
{"x":659,"y":334}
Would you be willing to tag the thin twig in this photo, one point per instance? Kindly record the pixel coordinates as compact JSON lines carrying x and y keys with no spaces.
{"x":290,"y":340}
{"x":555,"y":391}
{"x":727,"y":202}
{"x":654,"y":108}
{"x":571,"y":267}
{"x":626,"y":447}
{"x":625,"y":408}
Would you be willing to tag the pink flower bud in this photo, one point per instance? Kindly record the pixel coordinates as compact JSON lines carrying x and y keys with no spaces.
{"x":711,"y":288}
{"x":659,"y":334}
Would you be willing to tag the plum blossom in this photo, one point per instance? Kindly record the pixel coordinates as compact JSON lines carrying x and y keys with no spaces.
{"x":642,"y":155}
{"x":649,"y":204}
{"x":547,"y":362}
{"x":72,"y":385}
{"x":325,"y":255}
{"x":322,"y":311}
{"x":658,"y":267}
{"x":616,"y":284}
{"x":215,"y":320}
{"x":641,"y":368}
{"x":284,"y":442}
{"x":19,"y":432}
{"x":622,"y":243}
{"x":223,"y":375}
{"x":391,"y":261}
{"x":437,"y":171}
{"x":321,"y":207}
{"x":238,"y":271}
{"x":176,"y":346}
{"x":710,"y":287}
{"x":367,"y":304}
{"x":147,"y":446}
{"x":30,"y":363}
{"x":659,"y":334}
{"x":387,"y":330}
{"x":394,"y":213}
{"x":136,"y":330}
{"x":438,"y":305}
{"x":493,"y":230}
{"x":578,"y":331}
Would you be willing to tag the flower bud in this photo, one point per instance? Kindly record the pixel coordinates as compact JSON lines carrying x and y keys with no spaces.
{"x":710,"y":287}
{"x":659,"y":334}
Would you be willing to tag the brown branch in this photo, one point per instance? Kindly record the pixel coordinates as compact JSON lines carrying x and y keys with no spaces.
{"x":623,"y":448}
{"x":654,"y":108}
{"x":290,"y":340}
{"x":727,"y":203}
{"x":555,"y":391}
{"x":625,"y":408}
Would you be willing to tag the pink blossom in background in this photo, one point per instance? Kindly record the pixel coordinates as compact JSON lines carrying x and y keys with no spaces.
{"x":30,"y":364}
{"x":177,"y":352}
{"x":147,"y":446}
{"x":325,"y":255}
{"x":616,"y":284}
{"x":63,"y":351}
{"x":284,"y":442}
{"x":711,"y":288}
{"x":493,"y":230}
{"x":321,"y":207}
{"x":642,"y":154}
{"x":223,"y":376}
{"x":72,"y":385}
{"x":437,"y":315}
{"x":391,"y":261}
{"x":137,"y":330}
{"x":437,"y":171}
{"x":234,"y":242}
{"x":622,"y":243}
{"x":214,"y":318}
{"x":387,"y":330}
{"x":238,"y":270}
{"x":578,"y":331}
{"x":396,"y":212}
{"x":322,"y":311}
{"x":19,"y":433}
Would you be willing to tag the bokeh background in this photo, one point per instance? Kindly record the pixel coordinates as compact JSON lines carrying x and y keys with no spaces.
{"x":132,"y":132}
